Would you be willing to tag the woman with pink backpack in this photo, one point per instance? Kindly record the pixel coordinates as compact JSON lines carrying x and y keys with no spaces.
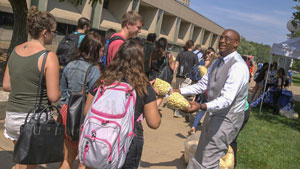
{"x":112,"y":133}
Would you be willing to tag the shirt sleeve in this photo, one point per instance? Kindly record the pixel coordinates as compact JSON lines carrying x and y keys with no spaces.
{"x":93,"y":77}
{"x":150,"y":97}
{"x":238,"y":76}
{"x":197,"y":88}
{"x":63,"y":83}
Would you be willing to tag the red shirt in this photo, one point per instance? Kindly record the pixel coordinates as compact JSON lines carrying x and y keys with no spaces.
{"x":114,"y":47}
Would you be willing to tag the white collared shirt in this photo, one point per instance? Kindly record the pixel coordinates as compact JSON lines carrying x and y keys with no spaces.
{"x":237,"y":77}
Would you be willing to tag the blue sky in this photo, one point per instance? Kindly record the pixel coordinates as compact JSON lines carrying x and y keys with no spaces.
{"x":261,"y":21}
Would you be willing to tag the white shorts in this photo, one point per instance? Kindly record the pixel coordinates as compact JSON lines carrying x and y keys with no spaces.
{"x":13,"y":122}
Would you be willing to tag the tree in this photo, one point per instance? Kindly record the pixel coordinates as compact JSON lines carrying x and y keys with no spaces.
{"x":296,"y":14}
{"x":19,"y":35}
{"x":260,"y":51}
{"x":20,"y":10}
{"x":296,"y":22}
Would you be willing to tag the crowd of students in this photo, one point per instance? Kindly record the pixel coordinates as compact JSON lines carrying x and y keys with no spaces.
{"x":128,"y":60}
{"x":273,"y":80}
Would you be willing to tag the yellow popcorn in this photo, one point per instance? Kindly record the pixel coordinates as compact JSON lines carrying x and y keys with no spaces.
{"x":174,"y":59}
{"x":227,"y":161}
{"x":203,"y":70}
{"x":177,"y":101}
{"x":161,"y":86}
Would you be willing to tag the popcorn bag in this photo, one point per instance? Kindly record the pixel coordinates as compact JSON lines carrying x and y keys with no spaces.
{"x":162,"y":87}
{"x":177,"y":101}
{"x":190,"y":147}
{"x":227,"y":161}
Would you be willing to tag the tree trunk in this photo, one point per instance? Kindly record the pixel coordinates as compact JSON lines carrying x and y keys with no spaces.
{"x":19,"y":36}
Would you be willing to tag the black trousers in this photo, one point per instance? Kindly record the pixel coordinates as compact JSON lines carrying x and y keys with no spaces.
{"x":276,"y":108}
{"x":134,"y":155}
{"x":234,"y":142}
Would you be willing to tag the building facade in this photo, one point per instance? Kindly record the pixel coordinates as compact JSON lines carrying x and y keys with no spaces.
{"x":167,"y":18}
{"x":184,"y":2}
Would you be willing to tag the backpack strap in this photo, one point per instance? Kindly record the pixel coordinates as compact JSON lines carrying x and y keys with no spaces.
{"x":111,"y":39}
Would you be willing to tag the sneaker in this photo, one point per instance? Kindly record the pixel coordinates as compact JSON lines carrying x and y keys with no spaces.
{"x":192,"y":131}
{"x":177,"y":114}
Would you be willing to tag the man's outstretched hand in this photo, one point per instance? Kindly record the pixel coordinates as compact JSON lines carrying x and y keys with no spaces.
{"x":194,"y":107}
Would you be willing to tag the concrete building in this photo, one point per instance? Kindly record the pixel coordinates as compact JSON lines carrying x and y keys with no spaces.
{"x":184,"y":2}
{"x":167,"y":18}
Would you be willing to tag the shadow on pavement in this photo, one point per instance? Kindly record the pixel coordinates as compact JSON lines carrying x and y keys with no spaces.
{"x":180,"y":135}
{"x":178,"y":163}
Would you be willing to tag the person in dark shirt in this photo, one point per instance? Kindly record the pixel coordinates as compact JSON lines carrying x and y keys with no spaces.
{"x":148,"y":49}
{"x":185,"y":62}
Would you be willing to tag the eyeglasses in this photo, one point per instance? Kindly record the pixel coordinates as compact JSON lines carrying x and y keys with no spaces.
{"x":227,"y":38}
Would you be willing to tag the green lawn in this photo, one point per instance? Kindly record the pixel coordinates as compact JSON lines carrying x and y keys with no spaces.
{"x":296,"y":79}
{"x":269,"y":141}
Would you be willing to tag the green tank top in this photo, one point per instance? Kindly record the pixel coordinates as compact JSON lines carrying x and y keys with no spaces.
{"x":24,"y":81}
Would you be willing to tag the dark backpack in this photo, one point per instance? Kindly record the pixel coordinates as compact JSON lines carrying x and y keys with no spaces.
{"x":67,"y":47}
{"x":195,"y":73}
{"x":103,"y":60}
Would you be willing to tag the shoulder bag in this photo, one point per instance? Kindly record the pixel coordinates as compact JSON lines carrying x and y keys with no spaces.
{"x":75,"y":109}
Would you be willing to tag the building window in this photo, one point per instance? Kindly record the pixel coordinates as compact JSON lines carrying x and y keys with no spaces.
{"x":65,"y":29}
{"x":105,"y":4}
{"x":6,"y":20}
{"x":134,"y":4}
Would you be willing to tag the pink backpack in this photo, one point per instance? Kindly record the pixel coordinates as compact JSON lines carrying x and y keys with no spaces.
{"x":108,"y":128}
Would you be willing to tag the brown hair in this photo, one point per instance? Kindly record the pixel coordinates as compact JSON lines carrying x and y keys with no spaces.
{"x":160,"y":47}
{"x":90,"y":47}
{"x":128,"y":65}
{"x":188,"y":44}
{"x":38,"y":21}
{"x":131,"y":17}
{"x":83,"y":21}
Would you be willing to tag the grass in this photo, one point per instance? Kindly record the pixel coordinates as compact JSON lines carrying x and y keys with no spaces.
{"x":296,"y":79}
{"x":269,"y":141}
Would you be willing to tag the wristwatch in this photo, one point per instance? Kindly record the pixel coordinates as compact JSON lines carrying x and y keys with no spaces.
{"x":200,"y":106}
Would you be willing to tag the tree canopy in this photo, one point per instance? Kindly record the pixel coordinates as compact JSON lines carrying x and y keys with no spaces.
{"x":261,"y":52}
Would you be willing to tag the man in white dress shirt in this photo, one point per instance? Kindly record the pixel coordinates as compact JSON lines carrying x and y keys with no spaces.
{"x":226,"y":88}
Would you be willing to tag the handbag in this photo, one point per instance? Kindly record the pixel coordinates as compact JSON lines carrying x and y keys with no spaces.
{"x":41,"y":140}
{"x":75,"y":110}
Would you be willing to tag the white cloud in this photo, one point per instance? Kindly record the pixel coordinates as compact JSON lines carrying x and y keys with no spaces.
{"x":282,"y":13}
